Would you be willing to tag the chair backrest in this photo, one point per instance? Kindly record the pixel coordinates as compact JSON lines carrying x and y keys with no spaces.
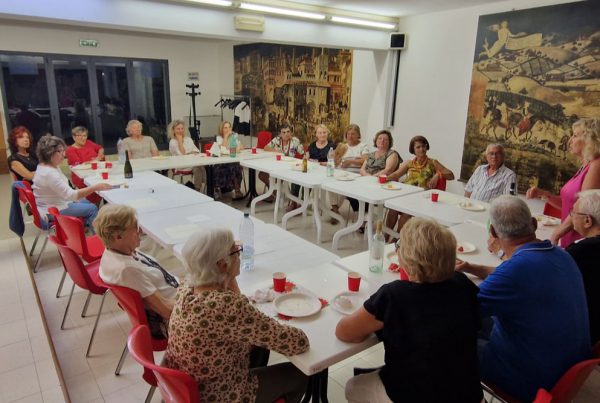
{"x":441,"y":183}
{"x":80,"y":184}
{"x":551,"y":211}
{"x":263,"y":138}
{"x":74,"y":233}
{"x":569,"y":384}
{"x":206,"y":147}
{"x":27,"y":196}
{"x":60,"y":234}
{"x":131,"y":302}
{"x":76,"y":269}
{"x":175,"y":386}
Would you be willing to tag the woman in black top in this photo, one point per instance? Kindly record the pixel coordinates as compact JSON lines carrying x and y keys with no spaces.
{"x":318,"y":149}
{"x":21,"y":162}
{"x":428,"y":326}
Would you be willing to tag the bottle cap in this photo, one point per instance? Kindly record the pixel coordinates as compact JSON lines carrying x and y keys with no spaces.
{"x":246,"y":214}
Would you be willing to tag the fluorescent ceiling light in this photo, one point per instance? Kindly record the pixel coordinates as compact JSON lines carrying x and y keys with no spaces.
{"x":354,"y":21}
{"x":222,"y":3}
{"x":282,"y":11}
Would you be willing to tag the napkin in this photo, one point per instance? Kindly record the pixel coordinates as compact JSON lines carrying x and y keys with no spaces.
{"x":215,"y":150}
{"x":263,"y":295}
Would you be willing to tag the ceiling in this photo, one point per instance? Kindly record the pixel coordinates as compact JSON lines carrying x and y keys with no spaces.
{"x":395,"y":8}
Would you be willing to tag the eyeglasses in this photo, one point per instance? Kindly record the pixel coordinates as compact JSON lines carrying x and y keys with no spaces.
{"x":240,"y":250}
{"x":577,"y":213}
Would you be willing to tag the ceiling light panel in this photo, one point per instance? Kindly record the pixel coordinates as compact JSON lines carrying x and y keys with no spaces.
{"x":222,"y":3}
{"x":281,"y":11}
{"x":365,"y":23}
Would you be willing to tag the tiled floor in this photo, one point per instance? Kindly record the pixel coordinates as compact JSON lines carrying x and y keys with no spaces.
{"x":26,"y":365}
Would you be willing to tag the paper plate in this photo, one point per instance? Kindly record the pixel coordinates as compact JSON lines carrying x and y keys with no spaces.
{"x":342,"y":177}
{"x":470,"y":206}
{"x":547,"y":220}
{"x":467,"y":247}
{"x":391,"y":186}
{"x":81,"y":167}
{"x":297,"y":304}
{"x":160,"y":157}
{"x":354,"y":300}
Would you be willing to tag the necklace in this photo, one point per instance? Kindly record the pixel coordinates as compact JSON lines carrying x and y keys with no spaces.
{"x":418,"y":165}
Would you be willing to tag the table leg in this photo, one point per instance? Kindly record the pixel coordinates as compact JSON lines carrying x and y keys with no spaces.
{"x":351,"y":228}
{"x":316,"y":213}
{"x":252,"y":193}
{"x":210,"y":181}
{"x":262,"y":197}
{"x":316,"y":390}
{"x":300,"y":210}
{"x":277,"y":184}
{"x":370,"y":226}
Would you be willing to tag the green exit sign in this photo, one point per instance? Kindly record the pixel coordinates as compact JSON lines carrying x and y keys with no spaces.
{"x":90,"y":43}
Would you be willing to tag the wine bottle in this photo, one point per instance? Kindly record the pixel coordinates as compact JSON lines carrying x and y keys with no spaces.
{"x":305,"y":163}
{"x":127,"y":171}
{"x":377,"y":249}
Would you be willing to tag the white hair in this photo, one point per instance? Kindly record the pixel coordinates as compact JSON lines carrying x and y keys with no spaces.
{"x":132,"y":123}
{"x":201,"y":253}
{"x":511,"y":217}
{"x":589,"y":203}
{"x":494,"y":145}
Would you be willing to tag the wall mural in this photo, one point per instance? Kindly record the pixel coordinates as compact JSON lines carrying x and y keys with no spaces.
{"x":535,"y":72}
{"x":302,"y":86}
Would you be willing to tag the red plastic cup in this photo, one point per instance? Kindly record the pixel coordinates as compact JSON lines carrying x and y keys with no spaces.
{"x":104,"y":175}
{"x":253,"y":150}
{"x":278,"y":157}
{"x":108,"y":165}
{"x":94,"y":165}
{"x":354,"y":281}
{"x":403,"y":274}
{"x":435,"y":196}
{"x":279,"y":281}
{"x":208,"y":153}
{"x":382,"y":178}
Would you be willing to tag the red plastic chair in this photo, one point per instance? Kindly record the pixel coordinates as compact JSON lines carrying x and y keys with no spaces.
{"x":551,"y":211}
{"x":206,"y":147}
{"x":441,"y":183}
{"x":175,"y":386}
{"x":181,"y":173}
{"x":89,"y":248}
{"x":26,"y":195}
{"x":79,"y":184}
{"x":566,"y":388}
{"x":83,"y":276}
{"x":263,"y":138}
{"x":131,"y":302}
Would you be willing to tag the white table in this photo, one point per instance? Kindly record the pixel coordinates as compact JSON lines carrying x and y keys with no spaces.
{"x":324,"y":281}
{"x":140,"y":180}
{"x":446,"y":211}
{"x":366,"y":189}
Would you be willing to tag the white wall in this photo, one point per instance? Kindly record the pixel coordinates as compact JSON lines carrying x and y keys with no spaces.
{"x":435,"y":78}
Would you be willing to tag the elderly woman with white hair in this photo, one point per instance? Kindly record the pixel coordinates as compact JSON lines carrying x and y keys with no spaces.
{"x":214,"y":328}
{"x":124,"y":265}
{"x":182,"y":144}
{"x":586,"y":253}
{"x":428,"y":326}
{"x":137,"y":145}
{"x":585,"y":145}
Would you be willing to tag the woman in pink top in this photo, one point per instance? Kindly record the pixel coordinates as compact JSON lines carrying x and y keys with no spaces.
{"x":83,"y":150}
{"x":585,"y":145}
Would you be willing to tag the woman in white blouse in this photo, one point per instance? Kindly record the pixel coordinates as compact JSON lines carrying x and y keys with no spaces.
{"x":51,"y":187}
{"x":182,"y":144}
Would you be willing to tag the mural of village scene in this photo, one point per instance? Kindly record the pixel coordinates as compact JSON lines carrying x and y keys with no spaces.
{"x":535,"y":73}
{"x":302,"y":86}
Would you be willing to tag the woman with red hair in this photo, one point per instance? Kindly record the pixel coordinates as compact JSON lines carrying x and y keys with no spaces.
{"x":22,"y":163}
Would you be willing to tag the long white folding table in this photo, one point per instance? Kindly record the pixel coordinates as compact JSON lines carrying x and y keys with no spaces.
{"x":140,"y":180}
{"x":445,"y":211}
{"x":325,"y":281}
{"x":365,"y":189}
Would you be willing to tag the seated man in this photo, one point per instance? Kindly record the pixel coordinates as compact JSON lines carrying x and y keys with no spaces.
{"x":586,"y":252}
{"x":492,"y":179}
{"x":537,"y":302}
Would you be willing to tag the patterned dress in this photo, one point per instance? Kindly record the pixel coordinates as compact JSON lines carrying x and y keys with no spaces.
{"x":420,"y":175}
{"x":210,"y":338}
{"x":375,"y":165}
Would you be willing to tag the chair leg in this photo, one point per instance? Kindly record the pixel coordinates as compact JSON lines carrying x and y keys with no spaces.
{"x":87,"y":353}
{"x":60,"y":285}
{"x":37,"y":262}
{"x":121,"y":360}
{"x":62,"y":325}
{"x":85,"y":306}
{"x":150,"y":394}
{"x":35,"y":243}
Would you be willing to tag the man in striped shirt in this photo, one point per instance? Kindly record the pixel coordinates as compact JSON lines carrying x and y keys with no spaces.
{"x":492,"y":179}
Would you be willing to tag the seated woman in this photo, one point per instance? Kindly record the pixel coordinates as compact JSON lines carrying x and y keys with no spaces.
{"x":421,"y":171}
{"x":319,"y":149}
{"x":349,"y":156}
{"x":182,"y":144}
{"x":228,"y":177}
{"x":83,"y":150}
{"x":51,"y":187}
{"x":122,"y":264}
{"x":428,"y":326}
{"x":21,"y":162}
{"x":214,"y":327}
{"x":137,"y":145}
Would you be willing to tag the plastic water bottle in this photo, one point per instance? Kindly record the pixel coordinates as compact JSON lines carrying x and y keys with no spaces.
{"x":247,"y":239}
{"x":330,"y":162}
{"x":232,"y":145}
{"x":121,"y":151}
{"x":377,"y":250}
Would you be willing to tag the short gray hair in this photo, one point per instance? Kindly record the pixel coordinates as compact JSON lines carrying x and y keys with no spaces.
{"x":511,"y":217}
{"x":495,"y":145}
{"x":131,"y":123}
{"x":49,"y":145}
{"x":173,"y":125}
{"x":113,"y":219}
{"x":201,"y":253}
{"x":589,"y":203}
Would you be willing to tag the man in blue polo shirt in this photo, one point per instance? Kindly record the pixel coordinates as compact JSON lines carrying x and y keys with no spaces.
{"x":537,"y":302}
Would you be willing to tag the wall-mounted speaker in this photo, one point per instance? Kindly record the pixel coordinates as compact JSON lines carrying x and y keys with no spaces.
{"x":397,"y":41}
